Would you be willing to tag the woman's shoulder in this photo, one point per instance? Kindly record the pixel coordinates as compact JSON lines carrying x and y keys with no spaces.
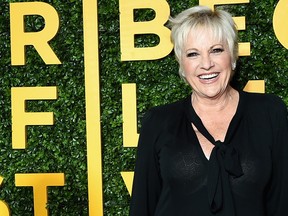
{"x":170,"y":109}
{"x":176,"y":106}
{"x":167,"y":112}
{"x":264,"y":101}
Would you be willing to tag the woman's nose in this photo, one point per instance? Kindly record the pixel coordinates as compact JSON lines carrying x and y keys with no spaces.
{"x":206,"y":62}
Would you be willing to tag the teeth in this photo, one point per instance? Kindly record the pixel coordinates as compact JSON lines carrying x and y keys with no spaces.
{"x":208,"y":76}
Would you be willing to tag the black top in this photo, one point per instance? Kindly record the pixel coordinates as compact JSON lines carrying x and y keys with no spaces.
{"x":246,"y":175}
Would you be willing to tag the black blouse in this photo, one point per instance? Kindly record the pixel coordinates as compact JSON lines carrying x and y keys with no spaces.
{"x":246,"y":175}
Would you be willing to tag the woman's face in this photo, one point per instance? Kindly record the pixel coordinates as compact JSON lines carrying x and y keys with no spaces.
{"x":206,"y":63}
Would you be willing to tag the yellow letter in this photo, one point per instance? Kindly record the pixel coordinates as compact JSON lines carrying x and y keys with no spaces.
{"x":39,"y":182}
{"x":255,"y":86}
{"x":20,"y":118}
{"x":93,"y":114}
{"x":4,"y":209}
{"x":20,"y":38}
{"x":128,"y":180}
{"x":129,"y":112}
{"x":130,"y":135}
{"x":129,"y":28}
{"x":244,"y":48}
{"x":279,"y":22}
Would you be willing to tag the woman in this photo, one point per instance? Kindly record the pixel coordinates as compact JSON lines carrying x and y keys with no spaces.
{"x":219,"y":151}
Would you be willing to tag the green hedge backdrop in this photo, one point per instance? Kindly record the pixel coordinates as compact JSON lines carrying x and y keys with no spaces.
{"x":62,"y":147}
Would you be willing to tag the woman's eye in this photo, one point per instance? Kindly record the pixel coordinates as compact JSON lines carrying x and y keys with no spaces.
{"x":192,"y":54}
{"x":217,"y":50}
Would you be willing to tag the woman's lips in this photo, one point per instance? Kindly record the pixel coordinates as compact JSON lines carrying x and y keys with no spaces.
{"x":208,"y":76}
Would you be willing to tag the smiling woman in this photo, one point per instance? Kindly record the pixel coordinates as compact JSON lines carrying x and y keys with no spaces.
{"x":206,"y":64}
{"x":220,"y":151}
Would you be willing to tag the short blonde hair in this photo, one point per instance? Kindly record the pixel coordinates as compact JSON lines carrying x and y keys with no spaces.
{"x":219,"y":22}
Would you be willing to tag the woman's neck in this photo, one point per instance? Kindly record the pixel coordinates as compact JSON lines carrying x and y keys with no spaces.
{"x":226,"y":100}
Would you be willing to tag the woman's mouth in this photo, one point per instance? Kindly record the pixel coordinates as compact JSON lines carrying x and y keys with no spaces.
{"x":208,"y":76}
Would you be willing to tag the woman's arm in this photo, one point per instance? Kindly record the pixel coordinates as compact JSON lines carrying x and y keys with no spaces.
{"x":277,"y":196}
{"x":147,"y":182}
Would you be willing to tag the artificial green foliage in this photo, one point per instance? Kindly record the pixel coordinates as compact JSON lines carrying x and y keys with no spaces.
{"x":62,"y":147}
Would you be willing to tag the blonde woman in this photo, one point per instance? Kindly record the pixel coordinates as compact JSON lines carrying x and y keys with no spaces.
{"x":220,"y":151}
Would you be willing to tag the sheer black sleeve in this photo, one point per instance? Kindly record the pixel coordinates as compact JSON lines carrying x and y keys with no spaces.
{"x":147,"y":182}
{"x":277,"y":195}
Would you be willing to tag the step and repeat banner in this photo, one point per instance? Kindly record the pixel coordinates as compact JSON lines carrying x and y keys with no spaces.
{"x":77,"y":77}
